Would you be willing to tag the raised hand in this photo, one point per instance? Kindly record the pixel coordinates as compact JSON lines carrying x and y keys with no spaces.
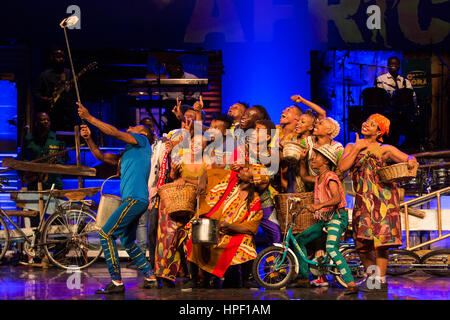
{"x":297,"y":98}
{"x":83,"y":112}
{"x":85,"y":132}
{"x":198,"y":105}
{"x":188,"y":124}
{"x":177,"y":110}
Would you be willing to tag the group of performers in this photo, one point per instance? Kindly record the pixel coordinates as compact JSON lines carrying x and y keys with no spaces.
{"x":236,"y":184}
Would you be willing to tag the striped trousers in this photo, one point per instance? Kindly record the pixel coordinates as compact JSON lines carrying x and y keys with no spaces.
{"x":123,"y":224}
{"x":335,"y":227}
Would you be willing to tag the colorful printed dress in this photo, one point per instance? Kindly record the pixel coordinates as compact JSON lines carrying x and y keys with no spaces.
{"x":222,"y":202}
{"x":170,"y":236}
{"x":376,"y":213}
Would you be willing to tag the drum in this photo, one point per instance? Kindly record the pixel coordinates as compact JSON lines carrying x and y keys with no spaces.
{"x":415,"y":184}
{"x":440,"y":178}
{"x":375,"y":98}
{"x":402,"y":98}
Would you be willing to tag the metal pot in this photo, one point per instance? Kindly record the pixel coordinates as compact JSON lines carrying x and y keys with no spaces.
{"x":205,"y":231}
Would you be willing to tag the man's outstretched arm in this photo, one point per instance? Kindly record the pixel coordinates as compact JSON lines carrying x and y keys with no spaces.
{"x":104,"y":127}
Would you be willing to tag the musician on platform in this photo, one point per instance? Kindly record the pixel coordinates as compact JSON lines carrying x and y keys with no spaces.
{"x":134,"y":165}
{"x":401,"y":117}
{"x":175,"y":70}
{"x":392,"y":80}
{"x":62,"y":112}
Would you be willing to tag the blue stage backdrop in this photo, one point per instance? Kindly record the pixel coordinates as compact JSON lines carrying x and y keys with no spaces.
{"x":8,"y":117}
{"x":349,"y":73}
{"x":266,"y":44}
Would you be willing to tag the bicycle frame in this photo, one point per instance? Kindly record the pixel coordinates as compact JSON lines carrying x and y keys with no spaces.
{"x":3,"y":215}
{"x":290,"y":239}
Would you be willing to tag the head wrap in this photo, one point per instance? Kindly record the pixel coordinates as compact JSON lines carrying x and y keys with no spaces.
{"x":382,"y":122}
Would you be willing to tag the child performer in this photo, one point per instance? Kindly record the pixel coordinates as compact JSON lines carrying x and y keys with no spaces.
{"x":329,"y":209}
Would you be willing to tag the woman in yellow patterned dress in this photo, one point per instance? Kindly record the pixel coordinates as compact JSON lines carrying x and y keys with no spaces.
{"x":231,"y":199}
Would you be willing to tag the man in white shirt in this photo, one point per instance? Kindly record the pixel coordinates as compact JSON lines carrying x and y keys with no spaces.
{"x":403,"y":111}
{"x":392,"y":81}
{"x":175,"y":71}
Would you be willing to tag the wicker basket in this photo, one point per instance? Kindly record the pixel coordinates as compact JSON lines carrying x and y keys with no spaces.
{"x":178,"y":202}
{"x":292,"y":150}
{"x":397,"y":173}
{"x":304,"y":220}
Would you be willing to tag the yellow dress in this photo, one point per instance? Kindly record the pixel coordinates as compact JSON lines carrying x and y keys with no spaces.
{"x":192,"y":173}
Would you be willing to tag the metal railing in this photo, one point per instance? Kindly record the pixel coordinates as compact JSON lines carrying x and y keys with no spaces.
{"x":419,"y":201}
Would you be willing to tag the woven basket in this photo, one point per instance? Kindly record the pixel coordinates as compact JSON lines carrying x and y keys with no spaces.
{"x":304,"y":220}
{"x":178,"y":202}
{"x":292,"y":150}
{"x":397,"y":173}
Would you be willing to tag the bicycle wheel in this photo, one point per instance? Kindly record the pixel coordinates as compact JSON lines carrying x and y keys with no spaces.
{"x":70,"y":238}
{"x":437,"y":262}
{"x":356,"y":267}
{"x":4,"y":238}
{"x":271,"y":273}
{"x":401,"y":262}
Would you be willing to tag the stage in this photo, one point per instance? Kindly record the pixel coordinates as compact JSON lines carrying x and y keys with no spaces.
{"x":33,"y":283}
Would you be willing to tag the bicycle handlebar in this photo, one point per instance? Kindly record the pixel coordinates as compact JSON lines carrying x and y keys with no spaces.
{"x":294,"y":215}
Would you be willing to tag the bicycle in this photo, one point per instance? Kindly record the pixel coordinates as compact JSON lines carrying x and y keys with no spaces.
{"x":68,"y":237}
{"x":277,"y":265}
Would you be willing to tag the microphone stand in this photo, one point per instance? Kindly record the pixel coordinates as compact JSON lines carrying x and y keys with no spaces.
{"x":75,"y":80}
{"x":347,"y":54}
{"x":63,"y":25}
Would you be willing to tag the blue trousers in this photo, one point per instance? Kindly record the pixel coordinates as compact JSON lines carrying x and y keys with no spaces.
{"x":123,"y":224}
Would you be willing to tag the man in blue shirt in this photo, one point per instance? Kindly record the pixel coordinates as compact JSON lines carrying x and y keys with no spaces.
{"x":134,"y":164}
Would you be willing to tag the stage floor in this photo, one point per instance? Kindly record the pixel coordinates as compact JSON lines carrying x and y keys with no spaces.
{"x":34,"y":283}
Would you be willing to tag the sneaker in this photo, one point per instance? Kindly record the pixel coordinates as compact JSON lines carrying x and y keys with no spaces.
{"x":149,"y":284}
{"x":320,"y":282}
{"x":189,"y":285}
{"x":111,"y":288}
